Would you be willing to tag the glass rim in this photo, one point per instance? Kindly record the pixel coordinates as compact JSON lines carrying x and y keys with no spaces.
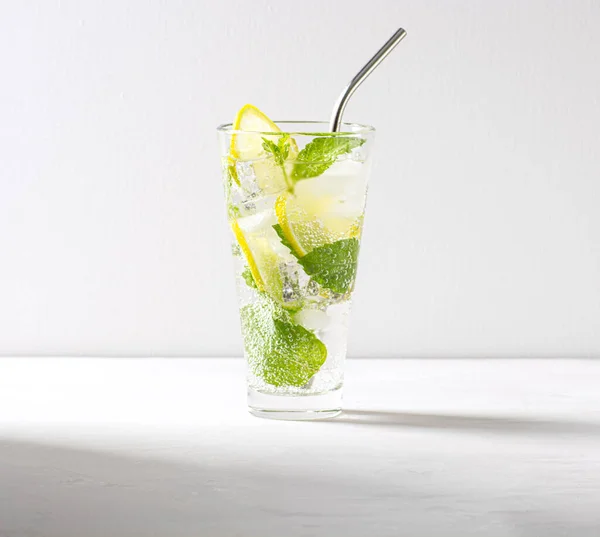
{"x":356,"y":129}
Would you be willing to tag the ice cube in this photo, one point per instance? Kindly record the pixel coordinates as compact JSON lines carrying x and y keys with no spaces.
{"x":259,"y":222}
{"x":312,"y":319}
{"x":292,"y":280}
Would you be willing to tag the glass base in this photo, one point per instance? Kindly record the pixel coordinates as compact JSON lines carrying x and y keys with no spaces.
{"x":295,"y":407}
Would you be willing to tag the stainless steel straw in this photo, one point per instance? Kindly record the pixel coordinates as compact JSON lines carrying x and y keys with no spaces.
{"x":338,"y":110}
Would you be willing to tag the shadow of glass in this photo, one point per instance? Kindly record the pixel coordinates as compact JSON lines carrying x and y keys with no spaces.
{"x":57,"y":491}
{"x":468,"y":423}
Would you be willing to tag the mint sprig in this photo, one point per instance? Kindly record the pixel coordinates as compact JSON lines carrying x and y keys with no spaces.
{"x":279,"y":150}
{"x":279,"y":351}
{"x":321,"y":153}
{"x":333,"y":265}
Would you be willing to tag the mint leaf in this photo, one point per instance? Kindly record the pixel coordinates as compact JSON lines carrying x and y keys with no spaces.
{"x":232,"y":172}
{"x":283,"y":239}
{"x":248,"y":278}
{"x":279,"y":351}
{"x":334,"y":265}
{"x":321,"y":153}
{"x":233,"y":212}
{"x":230,"y":181}
{"x":279,"y":150}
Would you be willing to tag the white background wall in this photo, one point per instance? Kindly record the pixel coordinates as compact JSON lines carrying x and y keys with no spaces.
{"x":483,"y":226}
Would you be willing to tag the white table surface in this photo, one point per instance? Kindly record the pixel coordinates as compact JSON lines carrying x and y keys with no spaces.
{"x":165,"y":448}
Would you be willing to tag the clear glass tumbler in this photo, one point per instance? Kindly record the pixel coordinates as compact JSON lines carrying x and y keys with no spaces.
{"x":295,"y":202}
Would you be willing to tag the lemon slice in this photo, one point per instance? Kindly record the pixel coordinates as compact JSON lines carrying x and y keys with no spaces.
{"x":262,"y":260}
{"x":310,"y":222}
{"x":324,"y":209}
{"x":247,"y":147}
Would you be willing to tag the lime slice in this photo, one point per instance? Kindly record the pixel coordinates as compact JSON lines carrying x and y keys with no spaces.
{"x":247,"y":147}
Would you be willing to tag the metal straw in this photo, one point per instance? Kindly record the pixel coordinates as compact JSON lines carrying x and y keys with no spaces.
{"x":338,"y":110}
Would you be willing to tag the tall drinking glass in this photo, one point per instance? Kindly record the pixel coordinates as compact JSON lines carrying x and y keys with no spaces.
{"x":295,"y":202}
